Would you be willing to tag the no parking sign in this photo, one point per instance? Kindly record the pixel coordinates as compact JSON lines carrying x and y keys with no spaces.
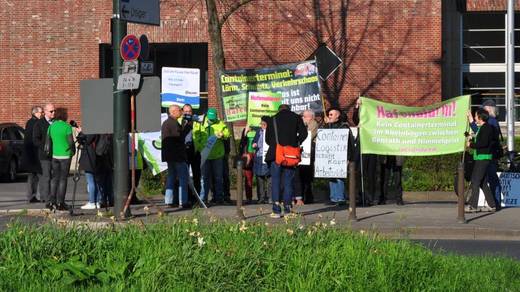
{"x":130,"y":48}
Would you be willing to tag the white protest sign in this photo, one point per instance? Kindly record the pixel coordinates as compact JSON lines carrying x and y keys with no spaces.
{"x":510,"y":187}
{"x":265,"y":147}
{"x":180,"y":86}
{"x":331,"y":153}
{"x":306,"y":153}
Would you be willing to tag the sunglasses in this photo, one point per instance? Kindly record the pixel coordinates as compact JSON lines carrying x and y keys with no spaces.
{"x":51,"y":111}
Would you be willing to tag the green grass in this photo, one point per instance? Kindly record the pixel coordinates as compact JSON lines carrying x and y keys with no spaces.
{"x":183,"y":255}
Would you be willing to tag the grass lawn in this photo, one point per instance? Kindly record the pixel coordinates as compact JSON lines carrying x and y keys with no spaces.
{"x":186,"y":254}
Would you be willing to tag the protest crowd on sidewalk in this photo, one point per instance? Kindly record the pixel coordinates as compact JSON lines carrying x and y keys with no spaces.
{"x":274,"y":158}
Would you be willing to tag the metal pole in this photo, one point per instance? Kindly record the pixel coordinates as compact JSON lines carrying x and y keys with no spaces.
{"x":126,"y":213}
{"x":510,"y":84}
{"x":121,"y":118}
{"x":460,"y":190}
{"x":240,"y":184}
{"x":352,"y":190}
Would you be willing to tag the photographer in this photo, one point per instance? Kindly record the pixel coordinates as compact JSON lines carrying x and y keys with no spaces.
{"x":188,"y":119}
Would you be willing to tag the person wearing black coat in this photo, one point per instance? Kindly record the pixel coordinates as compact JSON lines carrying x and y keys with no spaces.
{"x":173,"y":152}
{"x":483,"y":147}
{"x":31,"y":161}
{"x":291,"y":131}
{"x":87,"y":163}
{"x":39,"y":137}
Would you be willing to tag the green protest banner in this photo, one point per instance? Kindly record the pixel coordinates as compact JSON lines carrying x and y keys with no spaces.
{"x":297,"y":83}
{"x":390,"y":129}
{"x":235,"y":107}
{"x":262,"y":104}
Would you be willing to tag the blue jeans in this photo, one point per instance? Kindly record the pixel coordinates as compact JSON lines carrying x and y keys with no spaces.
{"x":279,"y":173}
{"x":213,"y":171}
{"x":93,"y":188}
{"x":337,"y":190}
{"x":494,"y":181}
{"x":177,"y":170}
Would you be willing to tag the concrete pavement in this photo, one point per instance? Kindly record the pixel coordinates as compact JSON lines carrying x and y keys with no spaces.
{"x":428,"y":215}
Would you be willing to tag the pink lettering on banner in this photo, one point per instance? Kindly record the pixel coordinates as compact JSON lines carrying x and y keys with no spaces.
{"x":264,"y":98}
{"x":382,"y":113}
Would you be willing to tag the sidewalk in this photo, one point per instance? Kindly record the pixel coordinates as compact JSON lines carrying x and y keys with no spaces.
{"x":428,"y":215}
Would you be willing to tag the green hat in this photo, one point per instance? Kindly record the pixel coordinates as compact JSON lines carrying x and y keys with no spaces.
{"x":212,"y":114}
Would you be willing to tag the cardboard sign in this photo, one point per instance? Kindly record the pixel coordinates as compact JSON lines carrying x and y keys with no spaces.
{"x":331,"y":153}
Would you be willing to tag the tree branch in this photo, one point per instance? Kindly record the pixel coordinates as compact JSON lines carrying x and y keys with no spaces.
{"x":232,"y":10}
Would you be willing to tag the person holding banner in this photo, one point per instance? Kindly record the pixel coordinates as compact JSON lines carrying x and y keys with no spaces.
{"x":336,"y":186}
{"x":173,"y":152}
{"x":482,"y":146}
{"x":260,"y":167}
{"x":494,"y":182}
{"x":209,"y":139}
{"x":285,"y":134}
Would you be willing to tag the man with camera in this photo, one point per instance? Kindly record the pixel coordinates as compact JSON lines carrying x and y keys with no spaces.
{"x":188,"y":119}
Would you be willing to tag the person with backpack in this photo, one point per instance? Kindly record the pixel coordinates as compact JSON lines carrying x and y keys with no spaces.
{"x":494,"y":182}
{"x":285,"y":134}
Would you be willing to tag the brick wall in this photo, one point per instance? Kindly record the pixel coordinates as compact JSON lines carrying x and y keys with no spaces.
{"x":489,"y":5}
{"x":391,"y":49}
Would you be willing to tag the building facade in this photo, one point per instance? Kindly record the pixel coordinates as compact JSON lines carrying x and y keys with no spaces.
{"x":402,"y":51}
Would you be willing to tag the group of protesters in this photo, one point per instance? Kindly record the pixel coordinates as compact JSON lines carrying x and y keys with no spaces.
{"x":197,"y":152}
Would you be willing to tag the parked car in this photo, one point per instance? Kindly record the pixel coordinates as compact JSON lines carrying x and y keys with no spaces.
{"x":11,"y":149}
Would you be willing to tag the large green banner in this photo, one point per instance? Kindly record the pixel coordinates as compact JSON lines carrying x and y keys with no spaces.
{"x":390,"y":129}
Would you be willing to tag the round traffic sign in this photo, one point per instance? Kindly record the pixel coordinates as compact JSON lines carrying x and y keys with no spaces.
{"x":130,"y":48}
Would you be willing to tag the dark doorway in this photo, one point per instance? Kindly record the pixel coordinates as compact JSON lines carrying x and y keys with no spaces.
{"x":187,"y":55}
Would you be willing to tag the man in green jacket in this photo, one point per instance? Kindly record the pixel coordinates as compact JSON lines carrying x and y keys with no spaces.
{"x":208,"y":138}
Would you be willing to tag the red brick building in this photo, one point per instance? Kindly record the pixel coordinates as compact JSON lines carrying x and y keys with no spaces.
{"x":403,"y":51}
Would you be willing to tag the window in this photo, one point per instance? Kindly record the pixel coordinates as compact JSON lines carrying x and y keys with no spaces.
{"x":484,"y":57}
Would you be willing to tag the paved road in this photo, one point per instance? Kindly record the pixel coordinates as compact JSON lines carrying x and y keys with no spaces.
{"x":475,"y":247}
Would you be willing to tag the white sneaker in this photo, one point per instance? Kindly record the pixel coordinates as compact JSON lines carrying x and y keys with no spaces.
{"x":98,"y":206}
{"x":89,"y":206}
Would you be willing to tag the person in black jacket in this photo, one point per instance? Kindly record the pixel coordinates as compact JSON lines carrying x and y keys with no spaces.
{"x":173,"y":152}
{"x":88,"y":163}
{"x":482,"y":146}
{"x":39,"y":137}
{"x":287,"y":129}
{"x":193,"y":156}
{"x":31,"y":161}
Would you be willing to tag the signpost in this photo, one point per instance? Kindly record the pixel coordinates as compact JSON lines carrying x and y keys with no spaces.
{"x":140,"y":11}
{"x":130,"y":48}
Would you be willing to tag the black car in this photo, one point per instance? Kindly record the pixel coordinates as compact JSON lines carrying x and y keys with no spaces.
{"x":11,"y":149}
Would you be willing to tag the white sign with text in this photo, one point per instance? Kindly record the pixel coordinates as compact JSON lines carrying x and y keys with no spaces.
{"x":331,"y":153}
{"x":306,"y":150}
{"x":510,"y":189}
